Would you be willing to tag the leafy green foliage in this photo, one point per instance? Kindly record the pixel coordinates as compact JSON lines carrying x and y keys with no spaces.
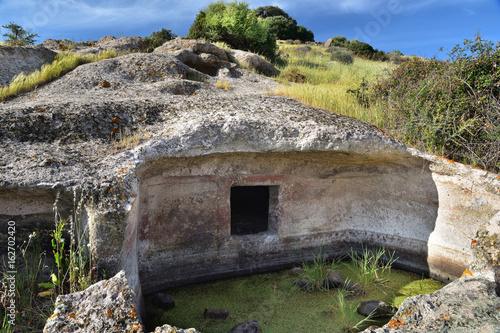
{"x":316,"y":271}
{"x":157,"y":38}
{"x":373,"y":267}
{"x":18,"y":36}
{"x":451,"y":108}
{"x":270,"y":11}
{"x":235,"y":24}
{"x":340,"y":41}
{"x":282,"y":25}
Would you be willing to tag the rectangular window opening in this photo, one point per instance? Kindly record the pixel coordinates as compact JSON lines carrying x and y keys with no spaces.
{"x":252,"y":209}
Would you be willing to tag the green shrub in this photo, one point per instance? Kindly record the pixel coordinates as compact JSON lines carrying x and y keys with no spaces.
{"x":345,"y":57}
{"x":157,"y":38}
{"x":448,"y":107}
{"x":235,"y":24}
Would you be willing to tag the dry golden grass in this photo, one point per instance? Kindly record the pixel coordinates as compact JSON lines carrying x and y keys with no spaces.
{"x":63,"y":63}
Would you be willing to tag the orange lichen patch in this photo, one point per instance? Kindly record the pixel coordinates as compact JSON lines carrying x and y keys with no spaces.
{"x":133,"y":196}
{"x":53,"y":316}
{"x":467,"y":273}
{"x":120,"y":181}
{"x":123,"y":170}
{"x":451,"y":161}
{"x":111,"y":191}
{"x":408,"y":312}
{"x":395,"y":323}
{"x":105,"y":84}
{"x":133,"y":314}
{"x":474,"y":241}
{"x":72,"y":315}
{"x":136,"y":174}
{"x":495,"y":262}
{"x":142,"y":119}
{"x":136,"y":327}
{"x":109,"y":313}
{"x":131,"y":164}
{"x":49,"y":160}
{"x":115,"y":120}
{"x":115,"y":130}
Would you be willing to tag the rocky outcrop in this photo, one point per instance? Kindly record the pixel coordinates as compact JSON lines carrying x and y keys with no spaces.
{"x":22,"y":59}
{"x":107,"y":306}
{"x":255,"y":62}
{"x":155,"y":147}
{"x":465,"y":305}
{"x":122,"y":45}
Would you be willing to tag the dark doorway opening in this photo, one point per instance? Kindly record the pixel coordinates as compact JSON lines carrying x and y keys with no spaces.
{"x":249,"y":209}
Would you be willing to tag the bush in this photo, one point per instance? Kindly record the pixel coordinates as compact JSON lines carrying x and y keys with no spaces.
{"x":158,"y":38}
{"x":235,"y":24}
{"x":302,"y":50}
{"x":345,"y":57}
{"x":451,"y":108}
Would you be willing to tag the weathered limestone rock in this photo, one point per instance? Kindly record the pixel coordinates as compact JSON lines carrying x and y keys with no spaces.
{"x":329,"y":42}
{"x":107,"y":306}
{"x":22,"y":59}
{"x":122,"y":45}
{"x":155,"y":149}
{"x":172,"y":329}
{"x":486,"y":252}
{"x":468,"y":304}
{"x":253,"y":61}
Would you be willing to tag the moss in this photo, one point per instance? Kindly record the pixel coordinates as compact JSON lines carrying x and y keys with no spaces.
{"x":274,"y":301}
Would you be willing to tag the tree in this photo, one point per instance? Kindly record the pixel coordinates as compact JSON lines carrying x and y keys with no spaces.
{"x":304,"y":35}
{"x":235,"y":24}
{"x":18,"y":36}
{"x":281,"y":27}
{"x":270,"y":11}
{"x":360,"y":48}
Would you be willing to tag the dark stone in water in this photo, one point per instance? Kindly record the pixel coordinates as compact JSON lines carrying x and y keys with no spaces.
{"x":335,"y":279}
{"x":216,"y":313}
{"x":163,"y":301}
{"x":251,"y":326}
{"x":378,"y":309}
{"x":302,"y":283}
{"x":296,"y":271}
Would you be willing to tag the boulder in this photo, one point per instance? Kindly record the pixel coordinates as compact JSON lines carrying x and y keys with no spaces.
{"x":163,"y":301}
{"x":468,"y":304}
{"x":196,"y":46}
{"x":251,"y":326}
{"x":255,"y":62}
{"x":202,"y":56}
{"x":329,"y":42}
{"x":107,"y":306}
{"x":377,"y":309}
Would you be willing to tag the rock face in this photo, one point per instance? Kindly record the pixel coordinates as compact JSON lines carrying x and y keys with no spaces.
{"x":22,"y":59}
{"x":172,"y":329}
{"x":465,"y":305}
{"x":155,"y":148}
{"x":253,"y":61}
{"x":107,"y":306}
{"x":122,"y":45}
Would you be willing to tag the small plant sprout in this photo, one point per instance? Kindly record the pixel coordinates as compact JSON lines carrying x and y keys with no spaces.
{"x":223,"y":84}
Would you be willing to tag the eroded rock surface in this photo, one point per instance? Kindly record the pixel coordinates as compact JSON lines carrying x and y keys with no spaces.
{"x":468,"y":304}
{"x":107,"y":306}
{"x":22,"y":59}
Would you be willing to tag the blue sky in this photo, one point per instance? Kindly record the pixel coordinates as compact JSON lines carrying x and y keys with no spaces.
{"x":418,"y":27}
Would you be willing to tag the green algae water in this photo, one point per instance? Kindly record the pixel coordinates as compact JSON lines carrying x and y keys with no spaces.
{"x":278,"y":305}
